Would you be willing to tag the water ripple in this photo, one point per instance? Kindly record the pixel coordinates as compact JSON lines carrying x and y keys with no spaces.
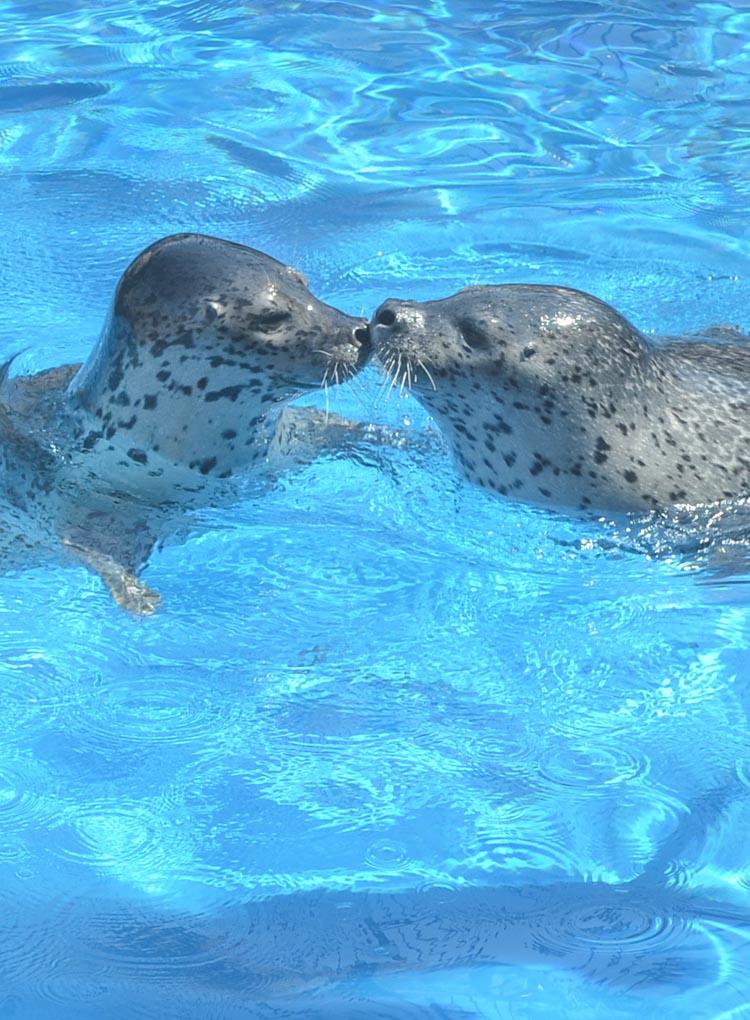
{"x":162,"y":707}
{"x":630,"y":927}
{"x":27,"y":796}
{"x":592,"y":766}
{"x":387,"y":855}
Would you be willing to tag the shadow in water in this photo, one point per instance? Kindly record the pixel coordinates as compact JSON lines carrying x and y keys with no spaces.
{"x":314,"y":955}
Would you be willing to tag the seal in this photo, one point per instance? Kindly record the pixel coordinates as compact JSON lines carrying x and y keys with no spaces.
{"x":182,"y":398}
{"x":548,"y":395}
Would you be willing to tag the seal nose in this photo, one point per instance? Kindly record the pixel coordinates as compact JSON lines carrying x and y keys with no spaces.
{"x":362,"y":334}
{"x":385,"y":315}
{"x":362,"y":341}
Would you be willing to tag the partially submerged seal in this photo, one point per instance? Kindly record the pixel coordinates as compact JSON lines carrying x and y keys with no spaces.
{"x":206,"y":343}
{"x":548,"y":395}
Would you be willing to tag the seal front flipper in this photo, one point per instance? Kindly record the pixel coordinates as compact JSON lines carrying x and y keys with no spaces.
{"x":303,"y":434}
{"x":126,"y":589}
{"x":724,"y":331}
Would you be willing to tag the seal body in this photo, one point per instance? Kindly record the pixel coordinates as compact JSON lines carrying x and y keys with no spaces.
{"x":205,"y":344}
{"x":548,"y":395}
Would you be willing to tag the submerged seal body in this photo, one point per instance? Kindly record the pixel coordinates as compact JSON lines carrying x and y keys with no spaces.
{"x":205,"y":344}
{"x":548,"y":395}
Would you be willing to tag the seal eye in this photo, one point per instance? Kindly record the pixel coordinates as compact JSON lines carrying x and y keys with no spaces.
{"x":474,"y":336}
{"x":272,"y":319}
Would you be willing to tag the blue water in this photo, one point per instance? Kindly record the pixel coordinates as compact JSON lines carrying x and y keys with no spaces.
{"x":393,"y":748}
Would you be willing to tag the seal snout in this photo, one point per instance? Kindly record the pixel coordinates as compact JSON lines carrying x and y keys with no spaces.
{"x":396,"y":324}
{"x":402,"y":345}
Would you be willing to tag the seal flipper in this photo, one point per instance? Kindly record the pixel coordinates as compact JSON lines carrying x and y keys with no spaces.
{"x":124,"y":586}
{"x":115,"y":550}
{"x":728,"y":332}
{"x":305,"y":433}
{"x":4,"y":374}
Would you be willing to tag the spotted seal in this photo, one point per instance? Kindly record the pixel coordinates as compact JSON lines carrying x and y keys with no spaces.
{"x":548,"y":395}
{"x":206,"y":343}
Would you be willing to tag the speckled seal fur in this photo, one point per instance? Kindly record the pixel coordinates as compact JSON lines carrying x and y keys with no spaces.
{"x":206,"y":343}
{"x":549,"y":396}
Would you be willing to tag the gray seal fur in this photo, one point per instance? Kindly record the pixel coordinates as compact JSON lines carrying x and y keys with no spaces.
{"x":183,"y":397}
{"x":548,"y":395}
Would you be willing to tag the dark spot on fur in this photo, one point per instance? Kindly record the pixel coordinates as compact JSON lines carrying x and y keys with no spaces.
{"x":228,"y":393}
{"x":90,"y":440}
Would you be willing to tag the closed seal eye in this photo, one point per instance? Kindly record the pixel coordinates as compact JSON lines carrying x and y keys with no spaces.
{"x":272,"y":319}
{"x":473,"y":335}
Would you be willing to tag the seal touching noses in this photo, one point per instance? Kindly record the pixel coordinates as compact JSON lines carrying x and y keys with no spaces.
{"x":205,"y":344}
{"x":548,"y":395}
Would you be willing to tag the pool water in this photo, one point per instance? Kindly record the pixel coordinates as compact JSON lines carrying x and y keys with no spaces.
{"x":393,"y":748}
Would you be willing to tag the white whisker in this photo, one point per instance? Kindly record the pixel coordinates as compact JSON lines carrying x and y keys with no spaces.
{"x":404,"y":376}
{"x":396,"y":373}
{"x":357,"y":390}
{"x":426,"y":371}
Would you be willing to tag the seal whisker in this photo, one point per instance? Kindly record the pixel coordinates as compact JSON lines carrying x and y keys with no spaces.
{"x":325,"y":387}
{"x":406,"y":377}
{"x":425,"y":369}
{"x":390,"y":374}
{"x":357,"y":390}
{"x":396,"y":374}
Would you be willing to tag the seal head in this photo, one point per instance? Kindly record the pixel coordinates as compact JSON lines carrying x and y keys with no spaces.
{"x":205,"y":342}
{"x":186,"y":391}
{"x":548,"y":395}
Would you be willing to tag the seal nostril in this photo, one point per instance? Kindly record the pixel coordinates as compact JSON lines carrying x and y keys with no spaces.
{"x":385,"y":318}
{"x":362,"y":335}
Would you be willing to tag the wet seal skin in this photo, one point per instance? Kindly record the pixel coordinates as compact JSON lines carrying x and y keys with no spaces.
{"x":549,"y":396}
{"x":184,"y":396}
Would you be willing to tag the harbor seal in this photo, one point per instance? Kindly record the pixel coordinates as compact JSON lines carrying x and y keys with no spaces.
{"x":548,"y":395}
{"x":205,"y":344}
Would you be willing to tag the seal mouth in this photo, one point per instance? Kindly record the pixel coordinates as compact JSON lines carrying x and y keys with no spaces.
{"x":353,"y":353}
{"x":345,"y":359}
